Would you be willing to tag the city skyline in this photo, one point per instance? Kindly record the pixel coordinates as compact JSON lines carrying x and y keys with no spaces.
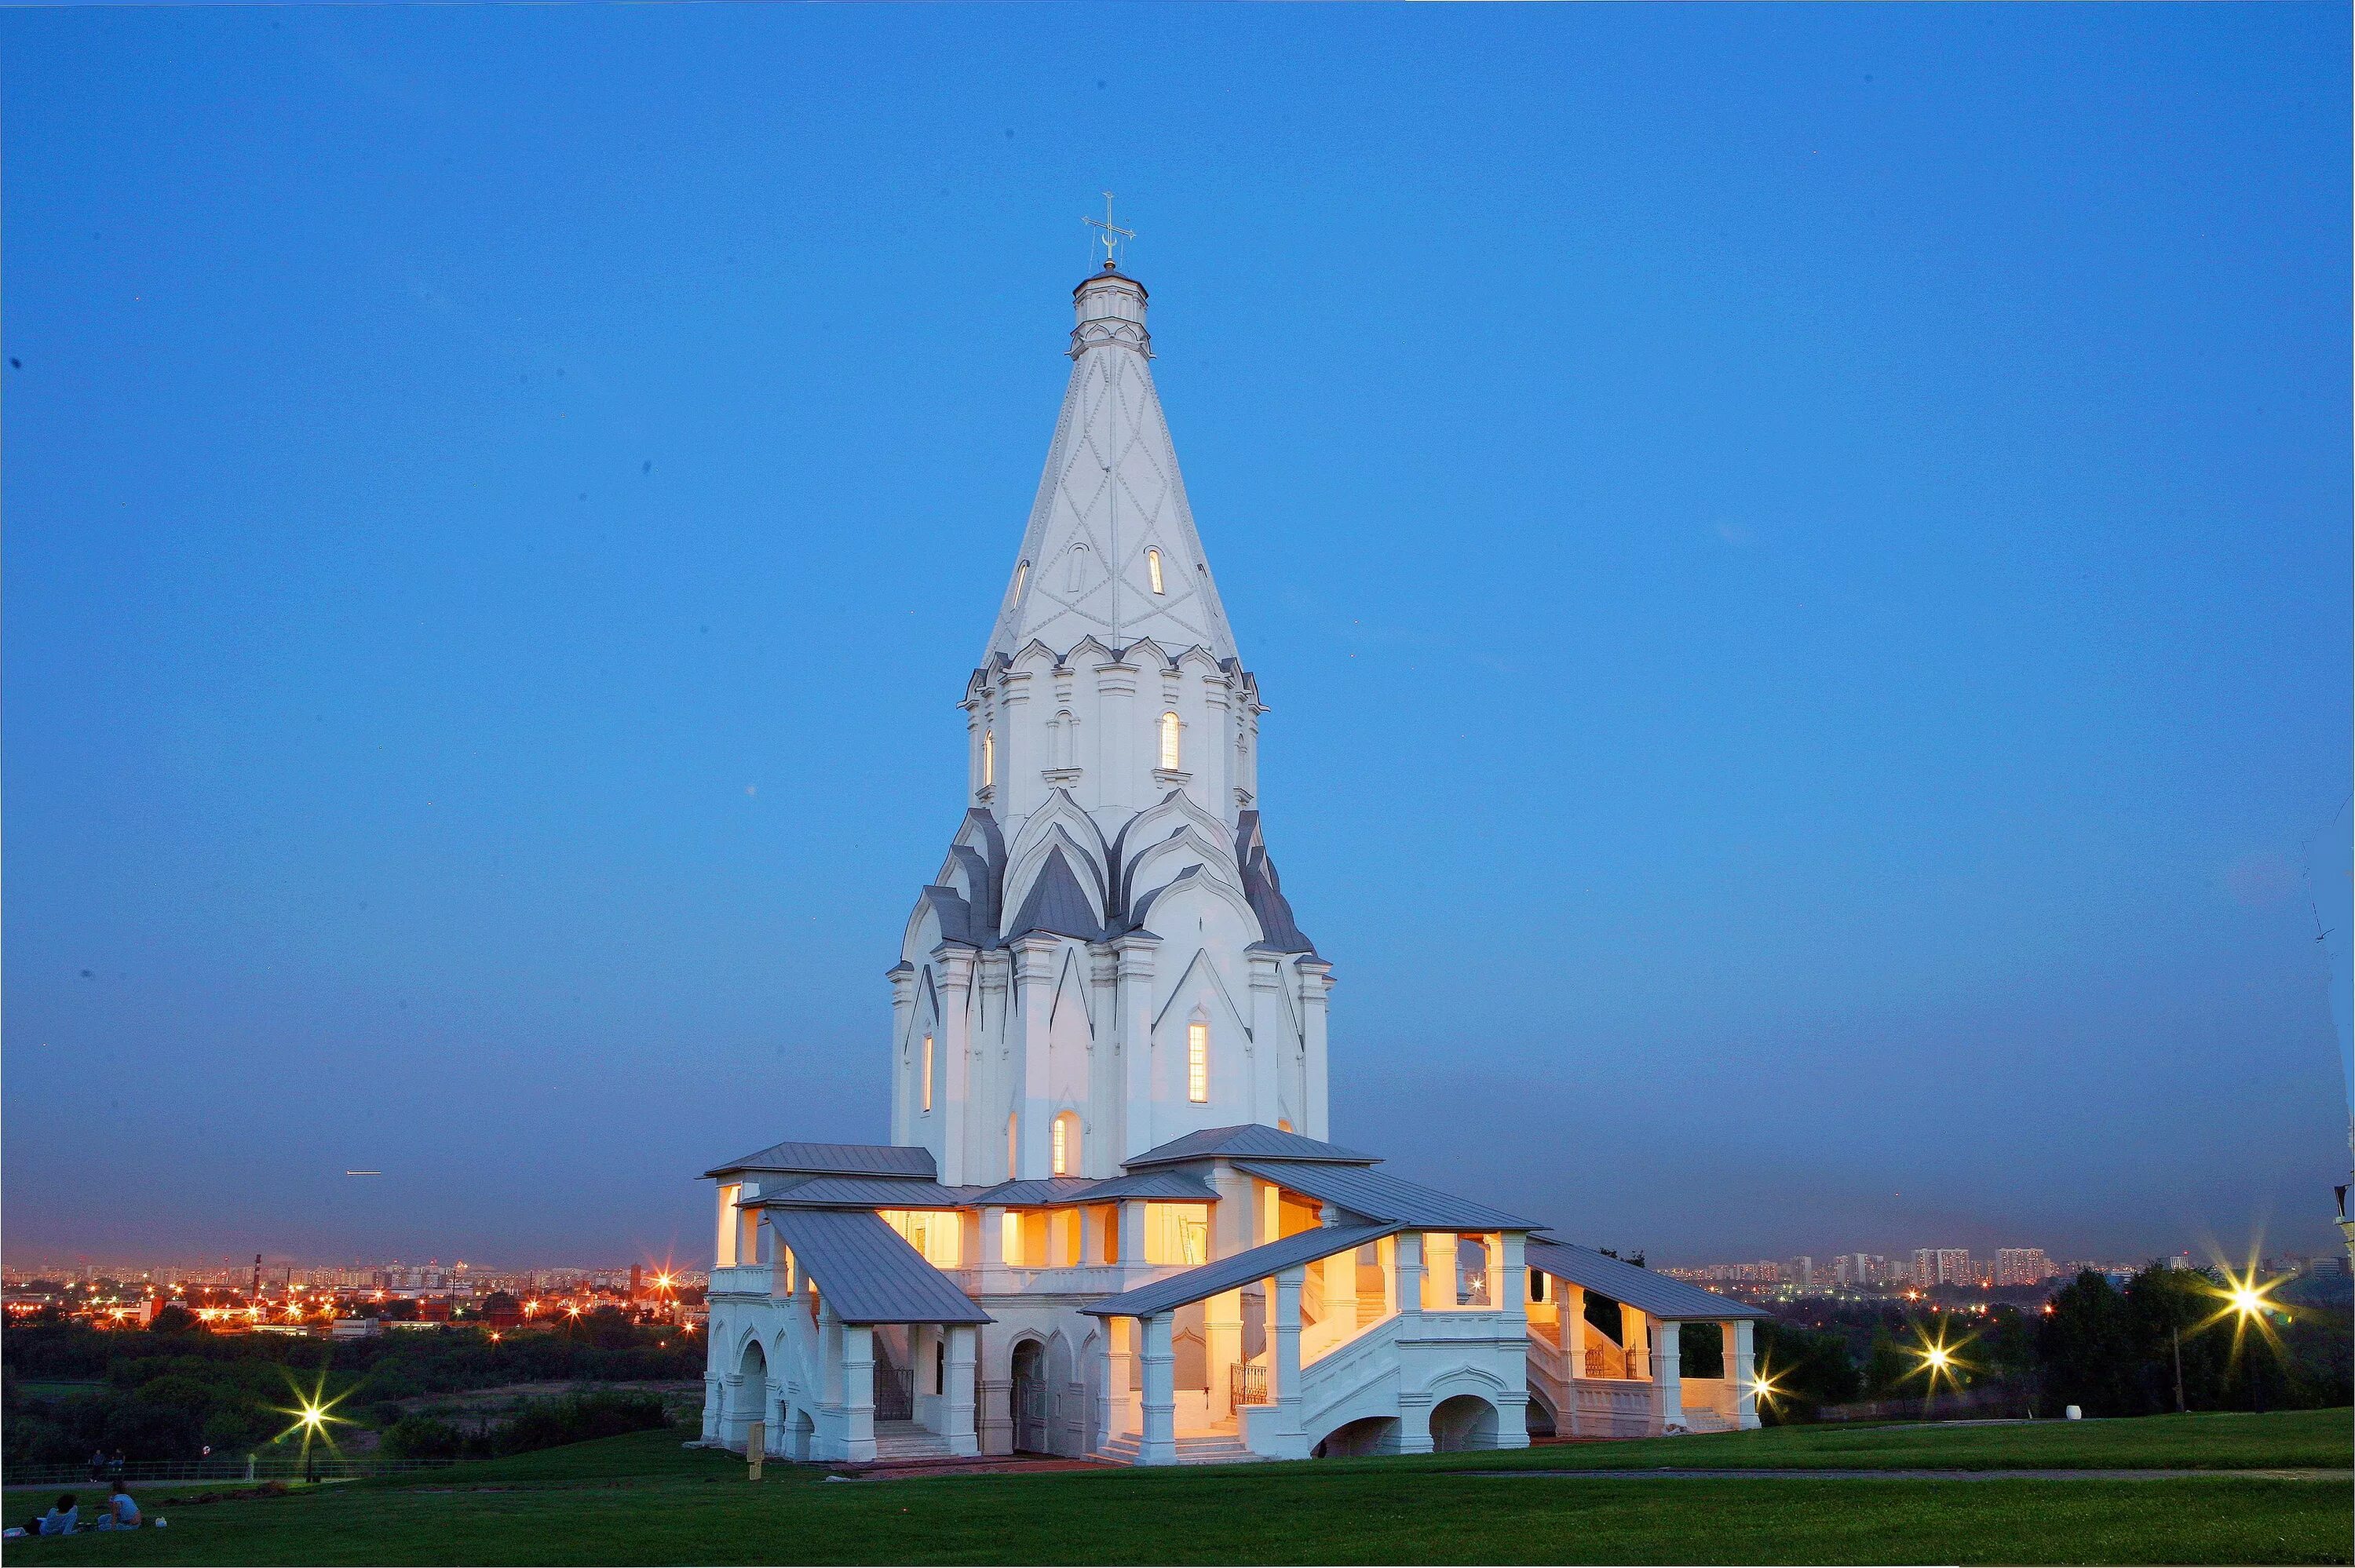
{"x":1851,"y":629}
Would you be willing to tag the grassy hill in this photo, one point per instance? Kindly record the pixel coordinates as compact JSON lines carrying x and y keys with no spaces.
{"x":643,"y":1498}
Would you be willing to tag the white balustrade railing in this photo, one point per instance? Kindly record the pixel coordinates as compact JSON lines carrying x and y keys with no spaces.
{"x":743,"y":1279}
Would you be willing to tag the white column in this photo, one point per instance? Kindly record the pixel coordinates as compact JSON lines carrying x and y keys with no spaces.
{"x":1271,"y":1025}
{"x":996,"y":1413}
{"x":1632,"y":1339}
{"x":956,"y":1398}
{"x":994,"y":1280}
{"x":857,"y":1394}
{"x":1574,"y":1352}
{"x":1668,"y":1375}
{"x":1132,"y":1234}
{"x":1110,"y":1378}
{"x":907,"y":1059}
{"x":1509,"y":1281}
{"x":1743,"y":1368}
{"x":1158,"y":1444}
{"x":1294,"y":1443}
{"x":1438,"y":1269}
{"x":1406,"y":1248}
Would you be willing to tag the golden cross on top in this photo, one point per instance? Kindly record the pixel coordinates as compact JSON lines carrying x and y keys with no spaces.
{"x":1112,"y":235}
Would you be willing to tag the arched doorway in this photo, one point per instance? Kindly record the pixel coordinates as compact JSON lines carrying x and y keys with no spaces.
{"x":1466,"y":1421}
{"x":751,"y":1395}
{"x":1029,"y":1398}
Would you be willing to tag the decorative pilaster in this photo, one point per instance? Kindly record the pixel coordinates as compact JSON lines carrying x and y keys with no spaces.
{"x":1667,"y":1377}
{"x":1316,"y":980}
{"x":1034,"y":1003}
{"x":952,"y":980}
{"x":1132,"y":1027}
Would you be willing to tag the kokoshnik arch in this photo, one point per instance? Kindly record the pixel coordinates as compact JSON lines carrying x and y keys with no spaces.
{"x":1108,"y":1222}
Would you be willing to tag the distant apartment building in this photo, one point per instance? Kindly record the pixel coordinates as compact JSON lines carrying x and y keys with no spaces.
{"x":1942,"y":1265}
{"x":1801,"y":1272}
{"x":1860,"y":1270}
{"x":2021,"y":1266}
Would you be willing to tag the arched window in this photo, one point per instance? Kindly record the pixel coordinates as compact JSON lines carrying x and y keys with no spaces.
{"x":1079,"y":565}
{"x":1066,"y":1134}
{"x":1013,"y":1126}
{"x":1169,"y":741}
{"x":928,"y":1074}
{"x":1153,"y":568}
{"x":1198,"y":1063}
{"x":988,"y":758}
{"x":1022,"y":576}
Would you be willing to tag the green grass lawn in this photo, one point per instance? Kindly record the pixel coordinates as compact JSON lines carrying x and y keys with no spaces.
{"x":643,"y":1498}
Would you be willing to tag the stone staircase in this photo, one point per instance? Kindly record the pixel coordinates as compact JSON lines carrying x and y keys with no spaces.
{"x":1208,"y":1449}
{"x":904,"y":1443}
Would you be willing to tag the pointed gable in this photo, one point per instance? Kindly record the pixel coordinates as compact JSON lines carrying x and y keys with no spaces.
{"x":1056,"y":902}
{"x":1111,"y":513}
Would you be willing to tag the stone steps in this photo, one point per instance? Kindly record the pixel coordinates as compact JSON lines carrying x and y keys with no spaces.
{"x":1215,"y":1450}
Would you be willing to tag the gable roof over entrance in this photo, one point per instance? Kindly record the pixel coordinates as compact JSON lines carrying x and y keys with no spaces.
{"x":836,"y":1160}
{"x":868,"y":1273}
{"x":1247,"y":1141}
{"x":1638,"y":1288}
{"x":1377,"y":1195}
{"x":1228,"y":1272}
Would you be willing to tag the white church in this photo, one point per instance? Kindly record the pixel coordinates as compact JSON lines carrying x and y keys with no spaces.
{"x":1109,"y":1222}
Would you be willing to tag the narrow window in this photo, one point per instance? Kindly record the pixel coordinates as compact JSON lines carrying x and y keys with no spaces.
{"x":1153,"y":568}
{"x":1198,"y":1063}
{"x":1022,"y":576}
{"x":1066,"y":1134}
{"x":1013,"y":1123}
{"x":988,"y":758}
{"x":1079,"y":565}
{"x":1169,"y":741}
{"x":928,"y":1074}
{"x":1009,"y":1237}
{"x":940,"y":1366}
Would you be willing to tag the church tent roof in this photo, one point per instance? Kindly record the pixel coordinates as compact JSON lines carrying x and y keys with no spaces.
{"x":1228,"y":1272}
{"x":1638,"y":1287}
{"x":866,"y":1273}
{"x":1378,"y":1195}
{"x":1247,"y":1141}
{"x":836,"y":1160}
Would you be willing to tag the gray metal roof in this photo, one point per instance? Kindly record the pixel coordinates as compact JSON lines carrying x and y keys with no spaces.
{"x":1056,"y":902}
{"x":863,"y":1192}
{"x":836,"y":1160}
{"x":1638,"y":1287}
{"x":1228,"y":1272}
{"x":1045,"y":1192}
{"x":1249,"y":1141}
{"x":1174,"y":1186}
{"x":1377,"y":1195}
{"x":866,"y":1273}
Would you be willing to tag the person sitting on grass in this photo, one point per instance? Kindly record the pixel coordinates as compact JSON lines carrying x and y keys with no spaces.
{"x":62,"y":1520}
{"x":121,"y":1513}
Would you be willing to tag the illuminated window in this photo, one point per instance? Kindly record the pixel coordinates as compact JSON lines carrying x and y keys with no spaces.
{"x":928,"y":1074}
{"x":1153,"y":568}
{"x":1013,"y":1125}
{"x":988,"y":758}
{"x":1284,"y":1123}
{"x":1022,"y":576}
{"x":1170,"y":740}
{"x":1198,"y":1063}
{"x":1066,"y":1135}
{"x":1009,"y":1237}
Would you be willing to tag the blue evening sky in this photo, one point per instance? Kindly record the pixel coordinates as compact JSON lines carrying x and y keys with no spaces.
{"x":1800,"y":556}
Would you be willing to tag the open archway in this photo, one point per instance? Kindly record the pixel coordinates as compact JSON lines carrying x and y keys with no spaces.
{"x":749,"y":1393}
{"x":1466,"y":1421}
{"x":1373,"y":1435}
